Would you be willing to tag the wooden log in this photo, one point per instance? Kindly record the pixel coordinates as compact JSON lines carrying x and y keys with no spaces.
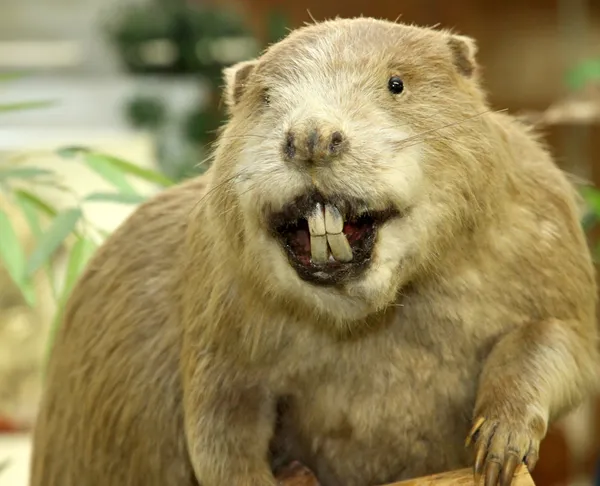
{"x":463,"y":477}
{"x":298,"y":475}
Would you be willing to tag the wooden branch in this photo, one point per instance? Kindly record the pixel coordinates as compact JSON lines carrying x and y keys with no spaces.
{"x":581,"y":108}
{"x":298,"y":475}
{"x":463,"y":477}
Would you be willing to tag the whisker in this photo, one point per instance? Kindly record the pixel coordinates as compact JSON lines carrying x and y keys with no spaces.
{"x":210,"y":146}
{"x":219,"y":185}
{"x":450,"y":125}
{"x":205,"y":160}
{"x":247,"y":135}
{"x":252,"y":186}
{"x":275,"y":172}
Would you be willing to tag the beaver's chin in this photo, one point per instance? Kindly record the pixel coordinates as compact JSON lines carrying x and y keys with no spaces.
{"x":328,"y":241}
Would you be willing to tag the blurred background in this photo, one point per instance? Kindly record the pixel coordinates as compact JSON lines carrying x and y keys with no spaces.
{"x":103,"y":103}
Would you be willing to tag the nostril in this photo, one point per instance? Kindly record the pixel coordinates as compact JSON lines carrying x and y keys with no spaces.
{"x":290,"y":147}
{"x":336,"y":140}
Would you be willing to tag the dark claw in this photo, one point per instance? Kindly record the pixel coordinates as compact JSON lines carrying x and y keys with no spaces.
{"x":508,"y":471}
{"x":491,"y":474}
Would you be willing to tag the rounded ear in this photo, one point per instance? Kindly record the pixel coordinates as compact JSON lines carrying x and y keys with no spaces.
{"x":235,"y":78}
{"x":464,"y":52}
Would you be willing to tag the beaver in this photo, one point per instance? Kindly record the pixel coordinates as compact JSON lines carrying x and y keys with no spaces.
{"x":376,"y":266}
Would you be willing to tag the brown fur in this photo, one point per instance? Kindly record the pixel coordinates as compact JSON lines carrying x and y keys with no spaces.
{"x":190,"y":345}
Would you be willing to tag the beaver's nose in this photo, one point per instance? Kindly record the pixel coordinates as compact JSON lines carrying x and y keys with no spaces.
{"x":314,"y":144}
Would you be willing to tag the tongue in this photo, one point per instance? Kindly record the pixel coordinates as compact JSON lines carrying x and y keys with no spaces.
{"x":326,"y":227}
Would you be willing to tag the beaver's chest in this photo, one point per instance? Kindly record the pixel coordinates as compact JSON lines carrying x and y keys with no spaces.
{"x":380,"y":412}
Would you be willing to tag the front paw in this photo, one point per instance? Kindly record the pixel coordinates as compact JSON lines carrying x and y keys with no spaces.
{"x":253,"y":480}
{"x":502,"y":442}
{"x":296,"y":474}
{"x":239,"y":478}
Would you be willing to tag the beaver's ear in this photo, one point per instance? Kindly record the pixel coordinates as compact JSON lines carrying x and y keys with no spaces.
{"x":235,"y":78}
{"x":464,"y":51}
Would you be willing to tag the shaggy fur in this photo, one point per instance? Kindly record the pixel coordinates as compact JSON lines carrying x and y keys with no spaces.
{"x":192,"y":352}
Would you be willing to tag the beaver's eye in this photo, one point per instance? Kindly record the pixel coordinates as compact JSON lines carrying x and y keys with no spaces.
{"x":395,"y":85}
{"x":266,"y":96}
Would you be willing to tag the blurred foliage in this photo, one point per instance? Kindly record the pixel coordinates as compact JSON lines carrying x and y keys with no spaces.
{"x":277,"y":26}
{"x":174,"y":38}
{"x":20,"y":105}
{"x":4,"y":465}
{"x":585,"y":72}
{"x":51,"y":227}
{"x":199,"y":122}
{"x":580,"y":77}
{"x":146,"y":112}
{"x":591,"y":219}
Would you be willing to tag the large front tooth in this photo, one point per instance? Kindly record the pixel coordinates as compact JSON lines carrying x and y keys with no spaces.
{"x":340,"y":248}
{"x":316,"y":222}
{"x":318,"y":249}
{"x":334,"y":223}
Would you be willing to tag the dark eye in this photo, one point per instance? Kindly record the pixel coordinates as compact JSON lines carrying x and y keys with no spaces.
{"x":266,"y":97}
{"x":395,"y":85}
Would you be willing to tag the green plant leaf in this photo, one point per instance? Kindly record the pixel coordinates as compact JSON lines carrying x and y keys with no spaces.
{"x":583,"y":73}
{"x":31,"y":206}
{"x":4,"y":77}
{"x":4,"y":465}
{"x":81,"y":252}
{"x":589,"y":220}
{"x":132,"y":169}
{"x":104,"y":233}
{"x":24,"y":105}
{"x":95,"y":159}
{"x":35,"y":201}
{"x":13,"y":256}
{"x":596,"y":252}
{"x":63,"y":225}
{"x":29,"y":210}
{"x":115,"y":197}
{"x":10,"y":248}
{"x":71,"y":152}
{"x":591,"y":196}
{"x":108,"y":172}
{"x":24,"y":173}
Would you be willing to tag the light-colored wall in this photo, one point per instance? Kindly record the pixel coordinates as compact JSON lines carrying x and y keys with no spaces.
{"x":78,"y":21}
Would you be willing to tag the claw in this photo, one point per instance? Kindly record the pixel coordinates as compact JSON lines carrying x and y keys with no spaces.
{"x":479,"y":462}
{"x":531,"y":460}
{"x":473,"y":431}
{"x":508,"y":471}
{"x":491,"y":474}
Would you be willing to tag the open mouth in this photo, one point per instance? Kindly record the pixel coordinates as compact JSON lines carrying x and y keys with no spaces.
{"x":328,"y":241}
